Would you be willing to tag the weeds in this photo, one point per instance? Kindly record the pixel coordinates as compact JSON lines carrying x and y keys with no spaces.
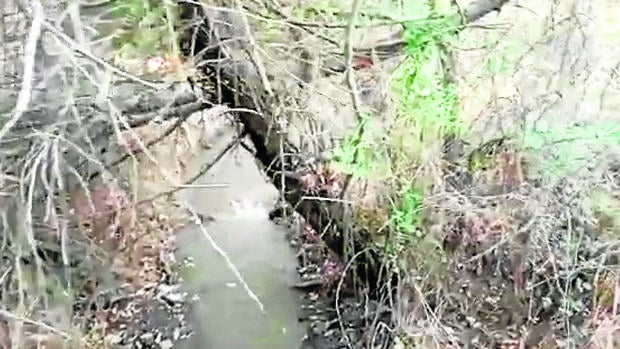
{"x":362,"y":153}
{"x":70,"y":239}
{"x":493,"y":259}
{"x":149,"y":28}
{"x":426,"y":113}
{"x":480,"y":239}
{"x":427,"y":105}
{"x":406,"y":217}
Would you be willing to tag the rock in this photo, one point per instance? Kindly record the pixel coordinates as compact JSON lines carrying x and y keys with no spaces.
{"x":165,"y":344}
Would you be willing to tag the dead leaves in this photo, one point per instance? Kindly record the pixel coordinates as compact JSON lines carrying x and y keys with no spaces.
{"x":475,"y":230}
{"x":605,"y":321}
{"x":138,"y":256}
{"x":499,"y":164}
{"x":510,"y":168}
{"x":331,"y":271}
{"x":167,"y":67}
{"x":323,"y":182}
{"x":485,"y":241}
{"x":606,"y":333}
{"x":102,"y":212}
{"x":607,"y":293}
{"x":133,"y":236}
{"x":362,"y":62}
{"x":309,"y":234}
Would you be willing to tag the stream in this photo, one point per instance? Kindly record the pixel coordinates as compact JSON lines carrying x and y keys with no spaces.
{"x":225,"y":316}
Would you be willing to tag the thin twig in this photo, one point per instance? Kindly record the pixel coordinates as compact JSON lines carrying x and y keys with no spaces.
{"x":79,"y":49}
{"x":168,"y":177}
{"x":350,"y":75}
{"x":203,"y":170}
{"x":339,"y":289}
{"x":25,"y":93}
{"x":5,"y":275}
{"x":196,"y":218}
{"x":256,"y":56}
{"x":12,"y":316}
{"x":349,"y":57}
{"x":180,"y":120}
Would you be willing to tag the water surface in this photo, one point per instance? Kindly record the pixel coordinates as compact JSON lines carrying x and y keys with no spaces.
{"x":226,"y":317}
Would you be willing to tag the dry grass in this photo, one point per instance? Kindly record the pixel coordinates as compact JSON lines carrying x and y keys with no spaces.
{"x":75,"y":227}
{"x":514,"y":256}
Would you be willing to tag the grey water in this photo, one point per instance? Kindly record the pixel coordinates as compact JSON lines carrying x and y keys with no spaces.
{"x":225,"y":316}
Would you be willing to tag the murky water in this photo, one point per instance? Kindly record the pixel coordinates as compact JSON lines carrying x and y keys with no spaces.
{"x":226,"y":317}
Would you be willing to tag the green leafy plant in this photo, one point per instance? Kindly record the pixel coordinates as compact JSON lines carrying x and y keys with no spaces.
{"x":406,"y":215}
{"x":569,"y":148}
{"x":149,"y":27}
{"x":321,"y":9}
{"x":362,"y":153}
{"x":405,"y":221}
{"x":427,"y":112}
{"x":427,"y":105}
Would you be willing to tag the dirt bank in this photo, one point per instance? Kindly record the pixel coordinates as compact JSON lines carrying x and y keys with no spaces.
{"x":500,"y":173}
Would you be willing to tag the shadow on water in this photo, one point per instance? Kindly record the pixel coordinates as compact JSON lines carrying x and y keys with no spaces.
{"x":226,"y":317}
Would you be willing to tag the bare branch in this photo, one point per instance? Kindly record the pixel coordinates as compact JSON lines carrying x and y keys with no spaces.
{"x":29,"y":61}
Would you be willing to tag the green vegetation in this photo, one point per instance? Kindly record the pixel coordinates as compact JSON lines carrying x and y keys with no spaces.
{"x":469,"y":257}
{"x":569,"y":148}
{"x":403,"y":156}
{"x":406,"y":216}
{"x":320,"y":9}
{"x":426,"y":113}
{"x":149,"y":27}
{"x":427,"y":106}
{"x":362,"y":153}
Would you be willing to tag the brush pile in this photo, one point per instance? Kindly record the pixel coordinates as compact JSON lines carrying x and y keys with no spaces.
{"x":516,"y":264}
{"x":82,"y":255}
